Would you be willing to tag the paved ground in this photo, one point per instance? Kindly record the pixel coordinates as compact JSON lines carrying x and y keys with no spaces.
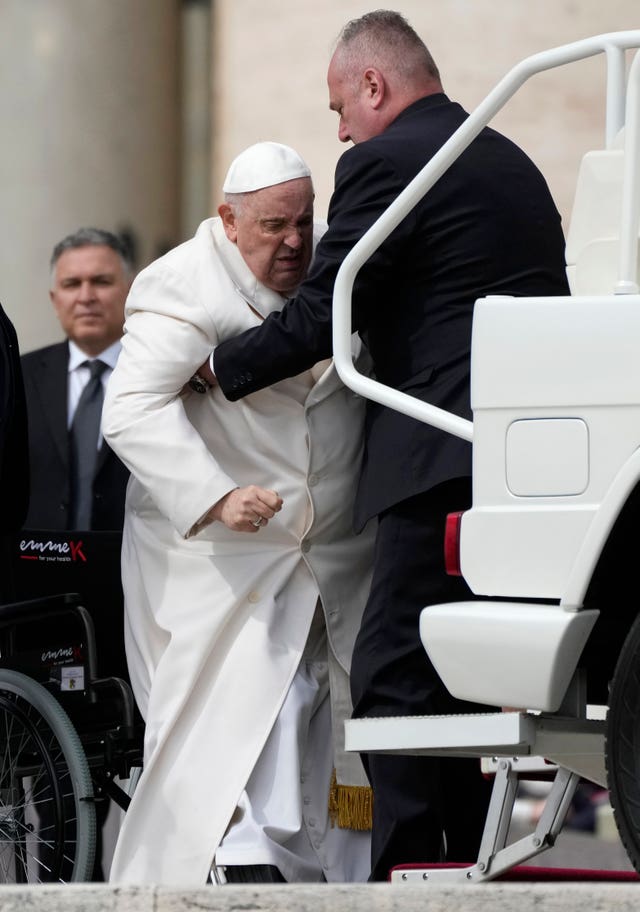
{"x":576,"y":849}
{"x":581,"y":850}
{"x":492,"y":897}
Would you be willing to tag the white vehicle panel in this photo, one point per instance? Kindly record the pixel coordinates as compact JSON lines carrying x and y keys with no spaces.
{"x":506,"y":653}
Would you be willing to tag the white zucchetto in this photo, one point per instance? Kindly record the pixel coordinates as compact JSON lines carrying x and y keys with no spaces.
{"x":264,"y":165}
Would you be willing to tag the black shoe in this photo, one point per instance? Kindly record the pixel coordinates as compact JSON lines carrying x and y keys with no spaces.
{"x":260,"y":873}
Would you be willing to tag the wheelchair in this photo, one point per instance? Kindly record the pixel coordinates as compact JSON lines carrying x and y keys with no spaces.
{"x":70,"y":734}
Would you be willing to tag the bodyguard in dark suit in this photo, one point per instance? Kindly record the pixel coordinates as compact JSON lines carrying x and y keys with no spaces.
{"x":91,"y":275}
{"x":488,"y":226}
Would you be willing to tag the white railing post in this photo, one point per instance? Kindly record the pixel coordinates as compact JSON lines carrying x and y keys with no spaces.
{"x":628,"y":267}
{"x":616,"y":89}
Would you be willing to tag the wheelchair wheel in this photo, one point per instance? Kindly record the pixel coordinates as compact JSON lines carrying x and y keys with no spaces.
{"x":622,"y":750}
{"x":47,"y":815}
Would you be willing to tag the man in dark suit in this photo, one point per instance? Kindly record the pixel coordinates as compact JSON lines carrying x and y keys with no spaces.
{"x":91,"y":273}
{"x":488,"y":226}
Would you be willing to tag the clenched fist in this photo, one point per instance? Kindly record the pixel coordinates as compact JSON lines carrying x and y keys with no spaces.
{"x":247,"y":509}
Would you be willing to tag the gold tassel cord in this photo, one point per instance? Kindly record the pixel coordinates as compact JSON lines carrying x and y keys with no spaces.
{"x":350,"y":806}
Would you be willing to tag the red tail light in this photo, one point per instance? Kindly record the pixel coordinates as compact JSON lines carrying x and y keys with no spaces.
{"x":452,"y":544}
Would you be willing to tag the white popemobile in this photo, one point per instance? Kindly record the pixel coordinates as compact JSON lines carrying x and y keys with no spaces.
{"x":551,"y":538}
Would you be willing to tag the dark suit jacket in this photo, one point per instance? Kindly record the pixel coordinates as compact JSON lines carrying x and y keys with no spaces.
{"x":14,"y":471}
{"x":488,"y":226}
{"x":45,"y":379}
{"x":14,"y":467}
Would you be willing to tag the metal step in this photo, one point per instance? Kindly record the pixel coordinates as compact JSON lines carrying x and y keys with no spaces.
{"x":576,"y":744}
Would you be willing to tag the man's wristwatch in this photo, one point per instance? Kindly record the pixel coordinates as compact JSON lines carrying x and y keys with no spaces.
{"x":199,"y":384}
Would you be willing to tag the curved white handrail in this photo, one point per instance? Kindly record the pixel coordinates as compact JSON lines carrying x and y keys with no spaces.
{"x":628,"y":265}
{"x":612,"y":44}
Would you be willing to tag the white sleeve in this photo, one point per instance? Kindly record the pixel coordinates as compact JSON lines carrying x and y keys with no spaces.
{"x":168,"y":335}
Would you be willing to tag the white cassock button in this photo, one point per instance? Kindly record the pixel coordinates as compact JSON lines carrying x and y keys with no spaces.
{"x":313,"y":480}
{"x":253,"y":597}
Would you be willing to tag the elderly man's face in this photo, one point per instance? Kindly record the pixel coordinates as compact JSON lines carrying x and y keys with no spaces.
{"x":90,"y":286}
{"x":273,"y":229}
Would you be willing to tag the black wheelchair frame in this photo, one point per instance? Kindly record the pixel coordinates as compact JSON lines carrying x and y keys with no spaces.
{"x":66,"y":736}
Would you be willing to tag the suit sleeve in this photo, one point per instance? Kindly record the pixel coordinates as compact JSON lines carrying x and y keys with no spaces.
{"x":167,"y":336}
{"x":297,"y":337}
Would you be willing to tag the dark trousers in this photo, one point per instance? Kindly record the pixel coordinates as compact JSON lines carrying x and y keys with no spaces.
{"x":416,"y":799}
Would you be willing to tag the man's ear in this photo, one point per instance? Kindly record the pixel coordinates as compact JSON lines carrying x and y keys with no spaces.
{"x":228,"y":217}
{"x":374,"y":86}
{"x":54,"y":300}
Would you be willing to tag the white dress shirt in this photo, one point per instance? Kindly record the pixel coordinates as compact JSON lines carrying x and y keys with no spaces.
{"x":79,"y":375}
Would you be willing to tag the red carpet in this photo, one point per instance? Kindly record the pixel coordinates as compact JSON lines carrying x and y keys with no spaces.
{"x":529,"y":872}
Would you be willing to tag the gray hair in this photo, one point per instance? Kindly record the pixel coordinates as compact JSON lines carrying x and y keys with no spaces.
{"x":95,"y":237}
{"x":236,"y":201}
{"x":386,"y":36}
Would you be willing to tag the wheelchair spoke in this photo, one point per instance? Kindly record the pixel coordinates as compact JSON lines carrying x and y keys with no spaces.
{"x":41,"y":760}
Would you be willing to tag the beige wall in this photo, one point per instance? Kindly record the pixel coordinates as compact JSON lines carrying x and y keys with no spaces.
{"x":90,"y":136}
{"x":272,"y":57}
{"x":106,"y":106}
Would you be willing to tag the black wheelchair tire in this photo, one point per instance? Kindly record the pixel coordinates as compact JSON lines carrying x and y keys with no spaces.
{"x":40,"y":746}
{"x":622,"y":746}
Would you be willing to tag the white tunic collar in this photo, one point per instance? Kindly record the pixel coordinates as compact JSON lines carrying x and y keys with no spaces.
{"x":261,"y":298}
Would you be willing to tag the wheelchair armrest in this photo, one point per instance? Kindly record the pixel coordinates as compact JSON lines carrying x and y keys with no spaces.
{"x":14,"y":613}
{"x":33,"y":609}
{"x":125,"y":697}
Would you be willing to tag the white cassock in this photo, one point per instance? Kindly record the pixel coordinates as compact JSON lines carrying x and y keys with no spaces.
{"x":217,"y":621}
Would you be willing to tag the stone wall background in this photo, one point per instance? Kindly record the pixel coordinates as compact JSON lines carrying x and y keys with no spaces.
{"x":126,"y":113}
{"x":272,"y":59}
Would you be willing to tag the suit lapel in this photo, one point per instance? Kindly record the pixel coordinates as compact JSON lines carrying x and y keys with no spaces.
{"x":52,"y":390}
{"x":103,"y":456}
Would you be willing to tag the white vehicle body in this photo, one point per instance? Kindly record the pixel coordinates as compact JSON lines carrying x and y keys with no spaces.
{"x":555,"y":393}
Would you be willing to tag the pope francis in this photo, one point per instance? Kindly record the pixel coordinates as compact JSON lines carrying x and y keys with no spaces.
{"x":244,"y":585}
